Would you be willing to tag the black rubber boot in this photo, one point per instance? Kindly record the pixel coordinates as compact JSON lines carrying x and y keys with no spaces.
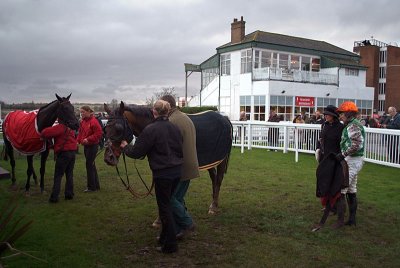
{"x":352,"y":202}
{"x":341,"y":210}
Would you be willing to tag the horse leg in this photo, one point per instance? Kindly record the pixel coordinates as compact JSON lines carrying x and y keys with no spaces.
{"x":43,"y":158}
{"x":216,"y":175}
{"x":212,"y":209}
{"x":29,"y":173}
{"x":10,"y":153}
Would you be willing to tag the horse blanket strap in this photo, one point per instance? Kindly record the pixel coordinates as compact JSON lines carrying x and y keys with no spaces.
{"x":213,"y":138}
{"x":21,"y":130}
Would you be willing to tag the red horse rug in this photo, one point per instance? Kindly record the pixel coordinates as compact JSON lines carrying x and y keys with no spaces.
{"x":20,"y":129}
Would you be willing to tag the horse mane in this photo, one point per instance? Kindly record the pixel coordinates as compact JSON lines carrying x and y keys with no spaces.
{"x":47,"y":105}
{"x":140,"y":110}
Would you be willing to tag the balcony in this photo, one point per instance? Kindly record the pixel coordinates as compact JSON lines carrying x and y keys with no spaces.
{"x":279,"y":74}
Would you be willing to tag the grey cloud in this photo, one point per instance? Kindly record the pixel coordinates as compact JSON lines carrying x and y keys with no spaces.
{"x":101,"y":50}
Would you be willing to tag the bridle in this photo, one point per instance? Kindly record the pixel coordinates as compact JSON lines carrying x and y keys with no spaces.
{"x":125,"y":133}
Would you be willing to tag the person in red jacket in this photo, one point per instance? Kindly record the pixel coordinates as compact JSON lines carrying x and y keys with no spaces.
{"x":65,"y":149}
{"x":90,"y":133}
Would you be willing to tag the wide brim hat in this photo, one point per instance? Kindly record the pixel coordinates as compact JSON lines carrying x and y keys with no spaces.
{"x":331,"y":110}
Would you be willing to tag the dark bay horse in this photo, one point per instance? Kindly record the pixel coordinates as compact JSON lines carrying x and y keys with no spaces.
{"x":213,"y":140}
{"x":21,"y":131}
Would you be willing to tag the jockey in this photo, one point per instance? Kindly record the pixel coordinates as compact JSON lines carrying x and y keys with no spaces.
{"x":352,"y":150}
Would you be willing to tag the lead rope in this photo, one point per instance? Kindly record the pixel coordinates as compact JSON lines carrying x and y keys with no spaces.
{"x":127,"y":183}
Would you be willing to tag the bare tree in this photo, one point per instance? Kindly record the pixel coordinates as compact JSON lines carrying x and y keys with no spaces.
{"x":114,"y":103}
{"x":157,"y":95}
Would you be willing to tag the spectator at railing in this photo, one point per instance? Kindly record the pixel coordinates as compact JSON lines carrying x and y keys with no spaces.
{"x":242,"y":117}
{"x":273,"y":132}
{"x":299,"y":120}
{"x":317,"y":118}
{"x":393,"y":145}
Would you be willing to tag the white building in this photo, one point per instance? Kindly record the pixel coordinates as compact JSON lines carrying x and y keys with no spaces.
{"x":263,"y":71}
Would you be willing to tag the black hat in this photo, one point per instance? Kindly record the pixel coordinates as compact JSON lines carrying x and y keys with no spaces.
{"x":331,"y":110}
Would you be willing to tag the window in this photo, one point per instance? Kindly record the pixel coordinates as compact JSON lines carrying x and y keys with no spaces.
{"x":323,"y":102}
{"x":282,"y":105}
{"x":262,"y":59}
{"x":284,"y":61}
{"x":305,"y":63}
{"x":364,"y":107}
{"x":351,"y":72}
{"x":382,"y":56}
{"x":226,"y":64}
{"x":245,"y":105}
{"x":275,"y":60}
{"x":208,"y":75}
{"x":294,"y":62}
{"x":259,"y":108}
{"x":382,"y":72}
{"x":265,"y":59}
{"x":257,"y":59}
{"x":381,"y":106}
{"x":245,"y":59}
{"x":382,"y":89}
{"x":315,"y":65}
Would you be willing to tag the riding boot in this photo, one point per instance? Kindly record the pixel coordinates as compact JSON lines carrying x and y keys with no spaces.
{"x":352,"y":202}
{"x":341,"y":210}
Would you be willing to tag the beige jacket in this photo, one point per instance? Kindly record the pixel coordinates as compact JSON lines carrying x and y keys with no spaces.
{"x":188,"y":131}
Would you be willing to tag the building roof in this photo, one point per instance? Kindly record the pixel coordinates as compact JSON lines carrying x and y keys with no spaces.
{"x":290,"y":42}
{"x":342,"y":63}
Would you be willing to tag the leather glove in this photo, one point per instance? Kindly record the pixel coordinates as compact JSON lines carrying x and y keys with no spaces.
{"x":339,"y":157}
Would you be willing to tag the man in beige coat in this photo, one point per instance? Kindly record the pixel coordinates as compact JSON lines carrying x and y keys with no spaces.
{"x":190,"y":167}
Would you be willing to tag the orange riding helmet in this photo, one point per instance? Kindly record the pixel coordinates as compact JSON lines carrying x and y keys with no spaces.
{"x":347,"y":106}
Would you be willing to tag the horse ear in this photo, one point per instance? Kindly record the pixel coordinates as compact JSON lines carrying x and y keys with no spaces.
{"x":121,"y":107}
{"x":58,"y":97}
{"x":69,"y":96}
{"x":107,"y":109}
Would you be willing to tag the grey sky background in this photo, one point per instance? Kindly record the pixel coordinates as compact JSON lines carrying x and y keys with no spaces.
{"x":126,"y":50}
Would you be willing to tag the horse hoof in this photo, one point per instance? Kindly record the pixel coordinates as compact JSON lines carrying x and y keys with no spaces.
{"x":27,"y":193}
{"x":212,"y":211}
{"x":156,"y":224}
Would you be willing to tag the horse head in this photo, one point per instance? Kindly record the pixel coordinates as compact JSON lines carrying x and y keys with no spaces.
{"x":66,"y":113}
{"x":117,"y":130}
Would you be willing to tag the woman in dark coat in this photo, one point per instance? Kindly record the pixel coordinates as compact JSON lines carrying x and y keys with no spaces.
{"x":329,"y":142}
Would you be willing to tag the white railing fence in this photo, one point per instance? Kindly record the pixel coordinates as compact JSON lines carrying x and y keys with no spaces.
{"x":381,"y":145}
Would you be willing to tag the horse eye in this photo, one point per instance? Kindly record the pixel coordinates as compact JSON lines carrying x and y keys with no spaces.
{"x":119,"y":128}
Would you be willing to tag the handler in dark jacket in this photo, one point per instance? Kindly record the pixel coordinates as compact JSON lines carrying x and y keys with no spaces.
{"x":161,"y":141}
{"x":65,"y":146}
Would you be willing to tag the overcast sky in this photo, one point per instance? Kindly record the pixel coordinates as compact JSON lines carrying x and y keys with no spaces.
{"x":126,"y":50}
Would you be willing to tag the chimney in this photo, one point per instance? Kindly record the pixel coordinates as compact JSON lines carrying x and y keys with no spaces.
{"x":237,"y":30}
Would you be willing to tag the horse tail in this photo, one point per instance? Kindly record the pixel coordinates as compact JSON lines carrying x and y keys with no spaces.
{"x":4,"y":154}
{"x":228,"y":155}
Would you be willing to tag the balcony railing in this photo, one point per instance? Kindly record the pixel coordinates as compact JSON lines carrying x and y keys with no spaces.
{"x":270,"y":73}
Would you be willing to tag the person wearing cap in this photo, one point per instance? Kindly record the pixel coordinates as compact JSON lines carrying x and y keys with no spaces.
{"x":352,"y":151}
{"x":161,"y":141}
{"x":90,"y":133}
{"x":329,"y":142}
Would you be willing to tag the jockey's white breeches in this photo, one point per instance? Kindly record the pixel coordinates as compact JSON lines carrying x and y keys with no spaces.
{"x":355,"y":164}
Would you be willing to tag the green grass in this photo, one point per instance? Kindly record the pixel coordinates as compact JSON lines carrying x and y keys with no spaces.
{"x":267,"y":209}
